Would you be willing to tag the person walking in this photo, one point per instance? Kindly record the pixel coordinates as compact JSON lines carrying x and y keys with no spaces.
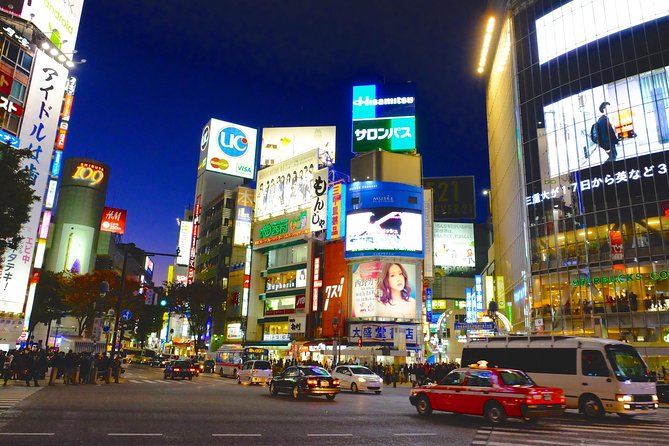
{"x":7,"y":367}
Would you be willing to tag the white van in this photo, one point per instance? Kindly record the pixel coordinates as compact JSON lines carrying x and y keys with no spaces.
{"x":597,"y":375}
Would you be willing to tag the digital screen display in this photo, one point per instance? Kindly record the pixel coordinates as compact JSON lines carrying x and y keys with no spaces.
{"x":629,"y":117}
{"x":454,"y":245}
{"x":279,"y":144}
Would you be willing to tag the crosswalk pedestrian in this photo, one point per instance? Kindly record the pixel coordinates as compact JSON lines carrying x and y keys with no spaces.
{"x":571,"y":430}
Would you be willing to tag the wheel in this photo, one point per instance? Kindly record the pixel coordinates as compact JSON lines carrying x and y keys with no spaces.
{"x":378,"y":392}
{"x":423,"y":406}
{"x":272,"y":389}
{"x":331,"y":396}
{"x":626,"y":415}
{"x":235,"y":374}
{"x":354,"y":388}
{"x":494,"y":412}
{"x":296,"y":392}
{"x":591,"y":406}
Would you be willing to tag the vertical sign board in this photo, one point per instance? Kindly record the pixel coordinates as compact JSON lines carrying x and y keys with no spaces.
{"x":454,"y":198}
{"x":319,"y":191}
{"x":193,"y":243}
{"x":428,"y":304}
{"x":243,"y":216}
{"x":428,"y":259}
{"x":471,"y":305}
{"x":185,"y":239}
{"x":337,"y":223}
{"x":478,"y":296}
{"x":38,"y":132}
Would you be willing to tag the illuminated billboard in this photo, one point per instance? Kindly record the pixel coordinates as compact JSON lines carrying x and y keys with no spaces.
{"x":228,"y":148}
{"x":336,"y":226}
{"x":282,"y":143}
{"x":384,"y":218}
{"x":58,"y":19}
{"x":243,"y":216}
{"x":282,"y":228}
{"x":113,"y":220}
{"x":629,"y":119}
{"x":454,"y":245}
{"x":185,"y":237}
{"x":384,"y":290}
{"x":581,"y":22}
{"x":286,"y":187}
{"x":384,"y":118}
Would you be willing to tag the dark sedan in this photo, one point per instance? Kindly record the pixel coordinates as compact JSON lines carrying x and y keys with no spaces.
{"x":305,"y":380}
{"x":179,"y":369}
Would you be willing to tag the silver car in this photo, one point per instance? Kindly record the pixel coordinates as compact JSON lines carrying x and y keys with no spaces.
{"x":358,"y":378}
{"x":255,"y":372}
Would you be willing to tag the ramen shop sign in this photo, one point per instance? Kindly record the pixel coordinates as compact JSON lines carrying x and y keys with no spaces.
{"x":89,"y":173}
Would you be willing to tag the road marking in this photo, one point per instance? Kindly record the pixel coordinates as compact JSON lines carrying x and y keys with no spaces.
{"x":329,"y":435}
{"x":28,"y":433}
{"x":134,"y":381}
{"x":415,"y":433}
{"x":236,"y":435}
{"x":133,"y":435}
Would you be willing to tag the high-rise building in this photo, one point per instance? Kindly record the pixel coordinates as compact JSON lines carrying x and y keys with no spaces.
{"x":577,"y":97}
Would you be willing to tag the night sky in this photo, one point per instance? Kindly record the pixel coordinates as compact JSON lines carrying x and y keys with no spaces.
{"x":157,"y":71}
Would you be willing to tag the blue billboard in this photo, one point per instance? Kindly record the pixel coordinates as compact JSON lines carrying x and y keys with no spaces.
{"x":384,"y":219}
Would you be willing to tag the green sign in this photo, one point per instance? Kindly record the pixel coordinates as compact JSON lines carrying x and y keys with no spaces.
{"x":293,"y":225}
{"x":391,"y":134}
{"x":620,"y":278}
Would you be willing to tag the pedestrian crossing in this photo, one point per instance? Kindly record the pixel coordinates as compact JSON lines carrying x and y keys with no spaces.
{"x":573,"y":429}
{"x":10,"y":396}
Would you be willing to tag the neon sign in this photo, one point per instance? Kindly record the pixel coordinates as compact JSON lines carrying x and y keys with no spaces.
{"x":89,"y":172}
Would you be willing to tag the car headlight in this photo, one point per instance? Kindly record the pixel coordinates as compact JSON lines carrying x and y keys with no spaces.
{"x":624,"y":398}
{"x":361,"y":379}
{"x":655,"y":398}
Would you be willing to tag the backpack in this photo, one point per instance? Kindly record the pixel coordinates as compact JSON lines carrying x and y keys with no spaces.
{"x":593,"y":133}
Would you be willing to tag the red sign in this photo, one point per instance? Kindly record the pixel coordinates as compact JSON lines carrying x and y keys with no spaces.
{"x":193,"y":242}
{"x":67,"y":107}
{"x":6,"y":83}
{"x":616,"y":242}
{"x":113,"y":220}
{"x":300,"y":302}
{"x":335,"y":293}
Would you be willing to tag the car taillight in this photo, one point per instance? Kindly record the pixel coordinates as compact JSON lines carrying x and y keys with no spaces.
{"x":191,"y":369}
{"x":335,"y":382}
{"x":177,"y":369}
{"x":312,"y":381}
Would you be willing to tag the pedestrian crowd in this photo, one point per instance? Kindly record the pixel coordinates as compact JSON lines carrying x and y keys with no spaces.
{"x":34,"y":364}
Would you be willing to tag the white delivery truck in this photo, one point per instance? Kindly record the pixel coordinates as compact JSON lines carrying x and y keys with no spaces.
{"x":597,"y":375}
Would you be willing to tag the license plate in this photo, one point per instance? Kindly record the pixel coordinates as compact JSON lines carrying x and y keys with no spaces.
{"x":325,"y":384}
{"x":547,"y":397}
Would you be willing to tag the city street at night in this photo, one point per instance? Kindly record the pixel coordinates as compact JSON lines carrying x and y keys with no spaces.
{"x":145,"y":409}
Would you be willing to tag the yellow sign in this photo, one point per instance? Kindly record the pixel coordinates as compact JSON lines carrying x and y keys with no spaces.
{"x":439,"y":304}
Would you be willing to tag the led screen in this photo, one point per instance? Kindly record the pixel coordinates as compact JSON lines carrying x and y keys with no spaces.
{"x":384,"y":218}
{"x":580,"y":22}
{"x":454,"y":245}
{"x":384,"y":290}
{"x":637,"y":119}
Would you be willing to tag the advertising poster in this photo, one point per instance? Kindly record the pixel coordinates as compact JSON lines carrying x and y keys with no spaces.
{"x":58,"y":19}
{"x":384,"y":290}
{"x":629,"y":118}
{"x":384,"y":218}
{"x":454,"y":197}
{"x":280,"y":144}
{"x":185,"y":237}
{"x":228,"y":148}
{"x":292,"y":225}
{"x":243,"y":216}
{"x":454,"y":245}
{"x":287,"y":186}
{"x":75,"y":249}
{"x":16,"y":263}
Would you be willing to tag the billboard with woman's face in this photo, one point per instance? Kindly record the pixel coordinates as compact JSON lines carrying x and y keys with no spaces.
{"x":384,"y":290}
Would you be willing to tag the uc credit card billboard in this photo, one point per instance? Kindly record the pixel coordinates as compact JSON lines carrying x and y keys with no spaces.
{"x":384,"y":218}
{"x":228,"y":148}
{"x":384,"y":117}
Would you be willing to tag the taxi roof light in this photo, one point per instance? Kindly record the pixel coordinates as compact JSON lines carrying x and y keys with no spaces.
{"x":482,"y":364}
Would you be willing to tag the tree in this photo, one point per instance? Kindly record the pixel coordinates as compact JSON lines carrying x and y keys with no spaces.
{"x":197,"y":302}
{"x":48,"y":303}
{"x":16,"y":195}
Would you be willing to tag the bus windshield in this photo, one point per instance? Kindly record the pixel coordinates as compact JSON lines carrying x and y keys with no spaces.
{"x":627,"y":364}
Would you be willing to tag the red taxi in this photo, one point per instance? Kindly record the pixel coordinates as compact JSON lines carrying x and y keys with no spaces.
{"x":495,"y":393}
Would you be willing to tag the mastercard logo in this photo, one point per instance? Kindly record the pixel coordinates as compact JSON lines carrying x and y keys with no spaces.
{"x":218,"y":163}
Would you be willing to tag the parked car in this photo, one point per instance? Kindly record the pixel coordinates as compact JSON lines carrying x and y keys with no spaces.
{"x":358,"y":378}
{"x":495,"y":393}
{"x":305,"y":380}
{"x":255,"y":372}
{"x":179,"y":369}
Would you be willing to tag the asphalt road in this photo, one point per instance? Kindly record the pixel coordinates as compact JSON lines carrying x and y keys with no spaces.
{"x":147,"y":410}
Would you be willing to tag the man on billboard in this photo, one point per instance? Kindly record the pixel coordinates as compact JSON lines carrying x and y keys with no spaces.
{"x":606,"y":135}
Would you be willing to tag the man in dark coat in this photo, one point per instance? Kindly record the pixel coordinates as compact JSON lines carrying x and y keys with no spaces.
{"x":606,"y":135}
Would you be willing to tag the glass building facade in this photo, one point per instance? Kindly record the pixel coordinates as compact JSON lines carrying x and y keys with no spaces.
{"x":588,"y":132}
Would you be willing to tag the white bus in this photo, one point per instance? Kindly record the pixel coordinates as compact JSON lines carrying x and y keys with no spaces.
{"x":597,"y":375}
{"x":229,"y":358}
